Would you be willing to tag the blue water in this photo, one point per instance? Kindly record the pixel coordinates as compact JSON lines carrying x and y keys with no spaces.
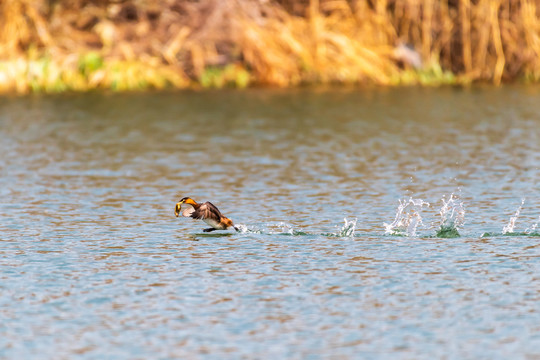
{"x":94,"y":264}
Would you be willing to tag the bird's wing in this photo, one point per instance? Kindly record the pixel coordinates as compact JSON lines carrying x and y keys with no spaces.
{"x":188,"y":211}
{"x":206,"y":211}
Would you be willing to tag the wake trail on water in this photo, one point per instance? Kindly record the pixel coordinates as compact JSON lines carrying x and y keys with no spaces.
{"x":407,"y":221}
{"x":344,"y":231}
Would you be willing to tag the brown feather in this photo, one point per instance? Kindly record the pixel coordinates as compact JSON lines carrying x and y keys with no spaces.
{"x":207,"y":211}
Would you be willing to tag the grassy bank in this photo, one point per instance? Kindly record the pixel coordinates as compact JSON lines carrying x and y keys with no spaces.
{"x":81,"y":45}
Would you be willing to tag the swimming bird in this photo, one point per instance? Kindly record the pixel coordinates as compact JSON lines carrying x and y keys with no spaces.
{"x":206,"y":212}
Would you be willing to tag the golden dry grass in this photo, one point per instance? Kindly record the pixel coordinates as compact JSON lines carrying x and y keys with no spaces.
{"x":81,"y":45}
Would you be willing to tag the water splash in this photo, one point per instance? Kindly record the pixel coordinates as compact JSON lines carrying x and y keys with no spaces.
{"x":244,"y":229}
{"x":533,"y":228}
{"x":286,"y":229}
{"x":407,"y":218}
{"x":348,"y":228}
{"x":281,"y":228}
{"x":452,"y":217}
{"x":509,"y":228}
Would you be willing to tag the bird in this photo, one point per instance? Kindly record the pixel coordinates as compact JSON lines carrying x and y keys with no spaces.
{"x":206,"y":212}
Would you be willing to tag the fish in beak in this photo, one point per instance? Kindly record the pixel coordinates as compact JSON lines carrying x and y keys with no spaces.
{"x":178,"y":207}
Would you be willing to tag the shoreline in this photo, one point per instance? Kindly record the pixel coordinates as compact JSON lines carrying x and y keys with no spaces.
{"x":90,"y":73}
{"x":45,"y":76}
{"x":55,"y":47}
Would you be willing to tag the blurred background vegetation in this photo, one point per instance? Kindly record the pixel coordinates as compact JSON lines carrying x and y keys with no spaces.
{"x":78,"y":45}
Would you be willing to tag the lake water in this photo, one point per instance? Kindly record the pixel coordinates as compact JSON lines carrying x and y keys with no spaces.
{"x":340,"y":195}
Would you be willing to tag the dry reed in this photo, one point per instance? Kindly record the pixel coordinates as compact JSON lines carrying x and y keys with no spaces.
{"x":81,"y":45}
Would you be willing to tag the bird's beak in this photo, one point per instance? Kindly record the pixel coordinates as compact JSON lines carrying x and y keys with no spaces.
{"x":177,"y":208}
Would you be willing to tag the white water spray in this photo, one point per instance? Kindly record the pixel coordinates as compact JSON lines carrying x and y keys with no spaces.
{"x":407,"y":217}
{"x":286,"y":228}
{"x":242,"y":228}
{"x":452,"y":217}
{"x":348,"y":228}
{"x":283,"y":228}
{"x":533,"y":228}
{"x":509,"y":228}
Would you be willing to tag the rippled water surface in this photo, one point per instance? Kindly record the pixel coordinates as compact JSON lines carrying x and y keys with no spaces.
{"x":94,"y":264}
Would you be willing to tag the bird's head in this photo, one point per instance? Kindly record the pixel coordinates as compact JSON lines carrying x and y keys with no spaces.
{"x":184,"y":200}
